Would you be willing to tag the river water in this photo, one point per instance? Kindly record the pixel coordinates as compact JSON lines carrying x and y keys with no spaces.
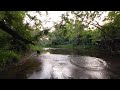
{"x":56,"y":63}
{"x":70,"y":64}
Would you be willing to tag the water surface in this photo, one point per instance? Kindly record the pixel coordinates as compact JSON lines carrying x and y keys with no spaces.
{"x":70,"y":64}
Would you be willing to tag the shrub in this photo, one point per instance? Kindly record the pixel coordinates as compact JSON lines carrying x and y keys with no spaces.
{"x":8,"y":57}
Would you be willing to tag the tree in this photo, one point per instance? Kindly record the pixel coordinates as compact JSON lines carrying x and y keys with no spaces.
{"x":15,"y":35}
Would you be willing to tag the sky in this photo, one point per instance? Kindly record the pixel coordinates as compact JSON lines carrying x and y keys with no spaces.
{"x":47,"y":20}
{"x":54,"y":16}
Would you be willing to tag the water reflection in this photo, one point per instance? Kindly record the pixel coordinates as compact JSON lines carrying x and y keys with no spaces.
{"x":88,"y":62}
{"x":47,"y":52}
{"x":98,"y":74}
{"x":91,"y":67}
{"x":66,"y":64}
{"x":58,"y":66}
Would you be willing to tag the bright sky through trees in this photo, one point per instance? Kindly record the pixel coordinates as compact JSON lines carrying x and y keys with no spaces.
{"x":54,"y":16}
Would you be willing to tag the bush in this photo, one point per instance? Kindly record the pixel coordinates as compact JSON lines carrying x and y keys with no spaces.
{"x":36,"y":47}
{"x":8,"y":57}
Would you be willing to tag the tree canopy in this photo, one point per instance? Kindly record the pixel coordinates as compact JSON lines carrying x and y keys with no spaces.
{"x":16,"y":37}
{"x":73,"y":30}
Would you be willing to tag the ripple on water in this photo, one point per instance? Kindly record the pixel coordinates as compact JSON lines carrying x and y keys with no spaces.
{"x":56,"y":66}
{"x":88,"y":62}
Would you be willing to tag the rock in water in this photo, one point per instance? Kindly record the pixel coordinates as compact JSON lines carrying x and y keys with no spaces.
{"x":38,"y":52}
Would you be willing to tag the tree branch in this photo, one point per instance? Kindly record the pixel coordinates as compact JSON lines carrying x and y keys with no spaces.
{"x":100,"y":28}
{"x":12,"y":32}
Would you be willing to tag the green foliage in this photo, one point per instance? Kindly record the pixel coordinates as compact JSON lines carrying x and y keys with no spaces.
{"x":112,"y":28}
{"x":8,"y":57}
{"x":4,"y":40}
{"x":68,"y":33}
{"x":36,"y":47}
{"x":72,"y":31}
{"x":12,"y":48}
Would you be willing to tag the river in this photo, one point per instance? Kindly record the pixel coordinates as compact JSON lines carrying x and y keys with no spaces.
{"x":69,"y":64}
{"x":59,"y":63}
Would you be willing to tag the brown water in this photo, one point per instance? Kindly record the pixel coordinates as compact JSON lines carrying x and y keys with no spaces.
{"x":69,"y":64}
{"x":55,"y":63}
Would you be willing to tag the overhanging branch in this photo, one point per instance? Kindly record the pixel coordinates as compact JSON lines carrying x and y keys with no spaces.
{"x":14,"y":34}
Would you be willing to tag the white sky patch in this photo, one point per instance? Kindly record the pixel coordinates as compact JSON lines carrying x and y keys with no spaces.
{"x":47,"y":20}
{"x":100,"y":20}
{"x":54,"y":16}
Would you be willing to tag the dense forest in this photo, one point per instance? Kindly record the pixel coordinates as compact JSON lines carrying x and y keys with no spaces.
{"x":72,"y":33}
{"x":17,"y":38}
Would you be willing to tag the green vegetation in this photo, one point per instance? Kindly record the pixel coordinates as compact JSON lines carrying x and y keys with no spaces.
{"x":18,"y":37}
{"x":75,"y":33}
